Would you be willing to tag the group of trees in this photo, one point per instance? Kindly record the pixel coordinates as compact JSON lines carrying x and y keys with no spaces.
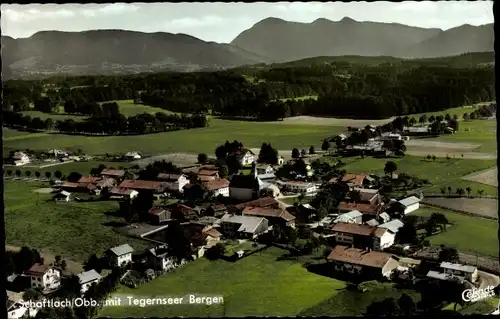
{"x":268,"y":154}
{"x":22,"y":260}
{"x":111,"y":122}
{"x":351,"y":91}
{"x":460,"y":191}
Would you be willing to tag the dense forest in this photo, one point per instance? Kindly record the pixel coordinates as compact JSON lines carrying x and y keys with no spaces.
{"x":336,"y":89}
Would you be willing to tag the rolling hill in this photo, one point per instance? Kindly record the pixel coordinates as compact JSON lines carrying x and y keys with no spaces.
{"x":284,"y":41}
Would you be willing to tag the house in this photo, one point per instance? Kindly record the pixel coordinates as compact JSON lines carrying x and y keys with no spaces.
{"x":120,"y":255}
{"x":158,"y":258}
{"x":369,"y":211}
{"x":17,"y":307}
{"x":470,"y":273}
{"x":244,"y":226}
{"x":112,"y":173}
{"x":218,"y":187}
{"x":243,"y":187}
{"x":265,"y":172}
{"x":299,"y":187}
{"x":87,"y":279}
{"x":304,"y":213}
{"x":93,"y":183}
{"x":410,"y":204}
{"x":62,"y":196}
{"x":432,"y":274}
{"x":216,"y":210}
{"x":372,"y":222}
{"x":407,"y":268}
{"x":213,"y":236}
{"x":174,"y":182}
{"x":122,"y":193}
{"x":384,"y":217}
{"x":362,"y":262}
{"x":350,"y":217}
{"x":44,"y":277}
{"x":209,"y":172}
{"x":138,"y":185}
{"x":369,"y":196}
{"x":393,"y":225}
{"x":133,"y":155}
{"x":363,"y":236}
{"x":182,"y":212}
{"x":20,"y":158}
{"x":265,"y":202}
{"x":355,"y":180}
{"x":158,"y":215}
{"x":58,"y":153}
{"x":68,"y":186}
{"x":274,"y":216}
{"x":245,"y":157}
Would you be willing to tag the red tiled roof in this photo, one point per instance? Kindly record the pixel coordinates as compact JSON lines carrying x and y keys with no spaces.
{"x":113,"y":172}
{"x":120,"y":191}
{"x":212,"y":232}
{"x":375,"y":259}
{"x":206,"y":178}
{"x":217,"y":184}
{"x":208,"y":172}
{"x":268,"y":212}
{"x":361,"y":207}
{"x":355,"y":229}
{"x":89,"y":179}
{"x":70,"y":185}
{"x":38,"y":269}
{"x":169,"y":176}
{"x":140,"y":184}
{"x":156,"y":211}
{"x":261,"y":202}
{"x":356,"y":179}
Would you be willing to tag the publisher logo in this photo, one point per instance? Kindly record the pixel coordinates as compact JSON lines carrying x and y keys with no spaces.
{"x":475,"y":294}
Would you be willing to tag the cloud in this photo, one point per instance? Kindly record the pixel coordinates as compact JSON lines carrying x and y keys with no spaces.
{"x":311,"y":7}
{"x":118,"y":8}
{"x":34,"y":14}
{"x":207,"y":21}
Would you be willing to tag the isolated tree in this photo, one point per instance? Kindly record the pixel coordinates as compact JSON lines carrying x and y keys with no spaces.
{"x":93,"y":263}
{"x":325,"y":146}
{"x":431,"y":119}
{"x":428,"y":157}
{"x":406,"y":305}
{"x":63,"y":265}
{"x":27,"y":173}
{"x":449,"y":254}
{"x":48,"y":174}
{"x":311,"y":150}
{"x":202,"y":158}
{"x":469,"y":190}
{"x":440,"y":219}
{"x":434,"y":158}
{"x":480,"y":192}
{"x":295,"y":153}
{"x":223,"y":171}
{"x":37,"y":174}
{"x":303,"y":153}
{"x":455,"y":117}
{"x":390,"y":167}
{"x":407,"y":234}
{"x":412,"y":121}
{"x":9,"y":172}
{"x":443,"y":191}
{"x":18,"y":172}
{"x":447,"y":117}
{"x":74,"y":177}
{"x":422,"y":119}
{"x":58,"y":174}
{"x":466,"y":117}
{"x":449,"y":190}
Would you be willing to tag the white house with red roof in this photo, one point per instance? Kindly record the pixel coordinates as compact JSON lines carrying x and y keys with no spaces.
{"x":44,"y":277}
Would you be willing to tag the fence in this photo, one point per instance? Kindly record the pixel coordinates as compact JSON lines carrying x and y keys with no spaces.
{"x":458,"y":211}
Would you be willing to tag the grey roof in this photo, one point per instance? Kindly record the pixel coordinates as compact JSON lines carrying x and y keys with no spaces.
{"x":385,"y":216}
{"x":122,"y":250}
{"x":308,"y":206}
{"x":372,"y":222}
{"x":409,"y":201}
{"x":159,"y":252}
{"x":248,"y":223}
{"x":394,"y":225}
{"x":266,"y":176}
{"x":443,"y":276}
{"x":348,"y":216}
{"x":459,"y":267}
{"x":366,"y":190}
{"x":87,"y":276}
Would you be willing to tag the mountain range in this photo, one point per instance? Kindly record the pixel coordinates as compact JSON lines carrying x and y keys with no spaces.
{"x":271,"y":40}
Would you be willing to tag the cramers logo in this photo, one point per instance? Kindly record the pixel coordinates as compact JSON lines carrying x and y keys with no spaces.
{"x":475,"y":294}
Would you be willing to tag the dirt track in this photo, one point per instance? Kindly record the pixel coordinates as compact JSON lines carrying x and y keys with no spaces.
{"x":330,"y":121}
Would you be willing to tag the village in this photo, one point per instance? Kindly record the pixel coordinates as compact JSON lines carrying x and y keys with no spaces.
{"x":232,"y":208}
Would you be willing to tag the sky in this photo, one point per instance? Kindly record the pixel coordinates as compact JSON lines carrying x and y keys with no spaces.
{"x":222,"y":22}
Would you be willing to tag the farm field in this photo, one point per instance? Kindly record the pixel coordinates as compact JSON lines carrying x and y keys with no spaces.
{"x":258,"y":285}
{"x":128,"y":108}
{"x":489,"y":177}
{"x":467,"y":234}
{"x":54,"y":116}
{"x":441,"y":173}
{"x":251,"y":134}
{"x":73,"y":230}
{"x":354,"y":303}
{"x":482,"y":132}
{"x":480,"y":206}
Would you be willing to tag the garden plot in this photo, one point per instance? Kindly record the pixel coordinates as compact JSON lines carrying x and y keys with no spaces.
{"x":489,"y":177}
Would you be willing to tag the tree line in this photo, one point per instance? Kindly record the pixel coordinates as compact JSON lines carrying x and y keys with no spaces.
{"x":347,"y":91}
{"x":109,"y":123}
